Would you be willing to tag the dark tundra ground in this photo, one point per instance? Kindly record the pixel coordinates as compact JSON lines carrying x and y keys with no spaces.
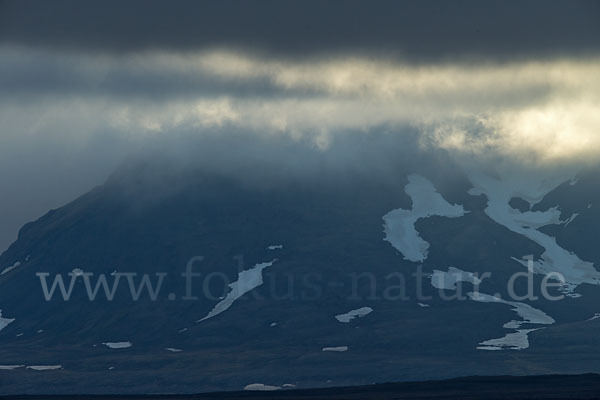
{"x":585,"y":386}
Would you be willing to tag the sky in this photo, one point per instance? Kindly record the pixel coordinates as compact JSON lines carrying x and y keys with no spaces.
{"x":84,"y":85}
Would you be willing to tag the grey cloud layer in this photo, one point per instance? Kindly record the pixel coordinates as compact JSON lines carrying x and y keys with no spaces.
{"x":508,"y":108}
{"x":296,"y":85}
{"x":423,"y":30}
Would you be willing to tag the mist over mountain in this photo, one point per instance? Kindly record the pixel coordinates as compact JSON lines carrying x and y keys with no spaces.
{"x":287,"y":240}
{"x":271,"y":196}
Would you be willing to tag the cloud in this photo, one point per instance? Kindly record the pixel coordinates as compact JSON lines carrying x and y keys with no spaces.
{"x":416,"y":30}
{"x":70,"y":117}
{"x":509,"y":108}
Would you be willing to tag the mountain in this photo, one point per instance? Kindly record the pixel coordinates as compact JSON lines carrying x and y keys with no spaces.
{"x":342,"y":279}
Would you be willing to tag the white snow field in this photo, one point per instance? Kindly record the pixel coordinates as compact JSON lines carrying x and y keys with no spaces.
{"x":399,"y":224}
{"x":261,"y":387}
{"x":4,"y":322}
{"x":595,"y":316}
{"x":44,"y":367}
{"x":247,"y":281}
{"x":33,"y":367}
{"x":516,"y":340}
{"x":350,"y":315}
{"x":8,"y":269}
{"x":512,"y":341}
{"x":10,"y":367}
{"x":499,"y":192}
{"x":338,"y":349}
{"x":118,"y":345}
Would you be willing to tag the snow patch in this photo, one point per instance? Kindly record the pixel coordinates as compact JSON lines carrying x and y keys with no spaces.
{"x":350,"y":315}
{"x":595,"y":316}
{"x":529,"y":314}
{"x":10,"y":367}
{"x":44,"y":367}
{"x":571,"y":218}
{"x":247,"y":281}
{"x":517,"y":340}
{"x":335,"y":349}
{"x":8,"y":269}
{"x":554,"y":258}
{"x":261,"y":386}
{"x":4,"y":322}
{"x":118,"y":345}
{"x":399,"y":224}
{"x":491,"y":348}
{"x":512,"y":341}
{"x":173,"y":350}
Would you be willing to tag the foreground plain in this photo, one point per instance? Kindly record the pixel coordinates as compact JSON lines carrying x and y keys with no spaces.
{"x":585,"y":386}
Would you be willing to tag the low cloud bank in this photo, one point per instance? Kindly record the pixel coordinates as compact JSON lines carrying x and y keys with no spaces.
{"x":71,"y":117}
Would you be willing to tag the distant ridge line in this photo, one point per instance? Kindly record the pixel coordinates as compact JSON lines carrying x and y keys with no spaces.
{"x":583,"y":386}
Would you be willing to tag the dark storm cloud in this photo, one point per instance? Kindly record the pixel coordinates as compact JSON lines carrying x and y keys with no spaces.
{"x":24,"y":73}
{"x":413,"y":30}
